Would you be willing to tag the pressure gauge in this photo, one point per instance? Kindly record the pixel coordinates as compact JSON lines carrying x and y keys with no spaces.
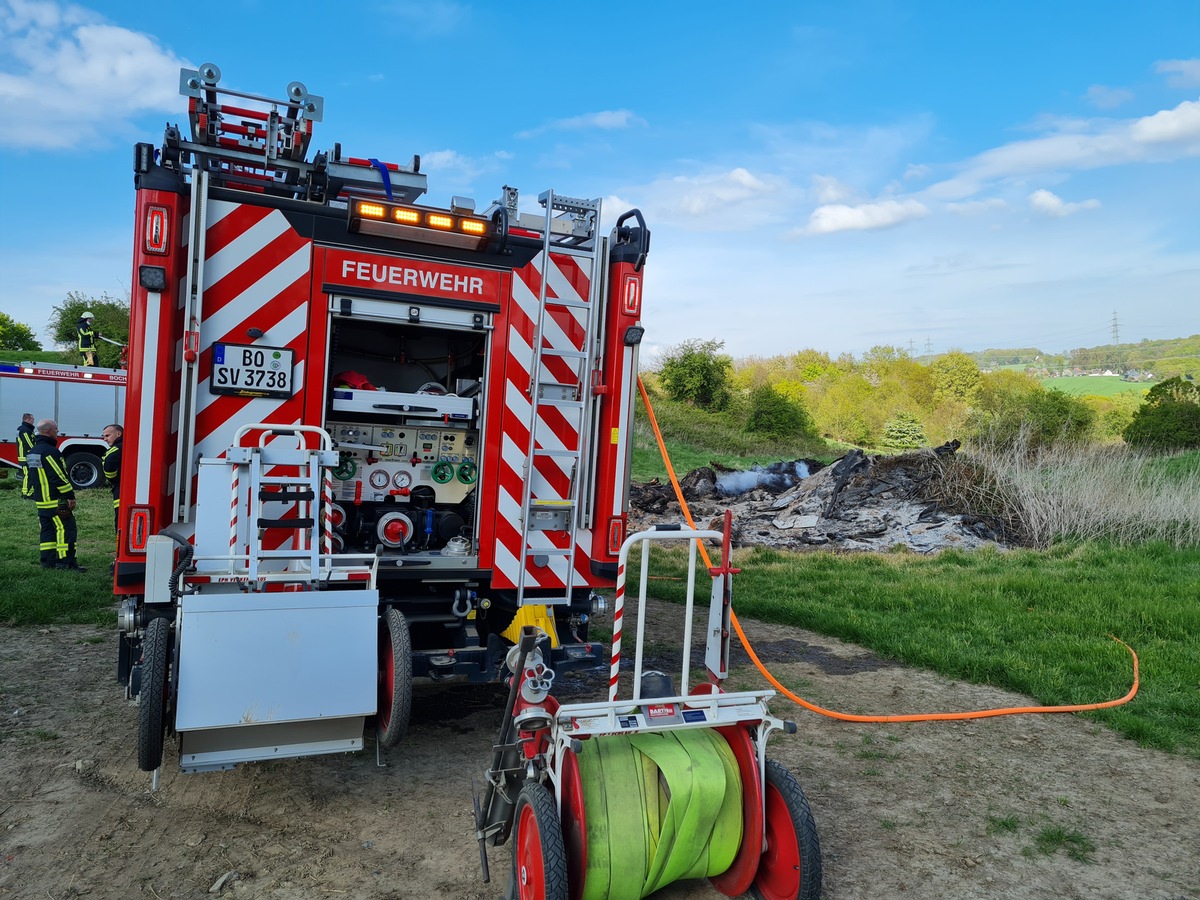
{"x":401,"y":479}
{"x":379,"y":479}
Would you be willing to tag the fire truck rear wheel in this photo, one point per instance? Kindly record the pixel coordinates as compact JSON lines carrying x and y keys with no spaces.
{"x":152,"y":698}
{"x":84,"y":470}
{"x":395,"y":679}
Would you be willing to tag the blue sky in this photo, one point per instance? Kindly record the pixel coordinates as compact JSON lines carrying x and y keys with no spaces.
{"x":835,"y":175}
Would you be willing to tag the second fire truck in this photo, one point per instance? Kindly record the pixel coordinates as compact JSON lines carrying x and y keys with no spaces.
{"x":367,"y":440}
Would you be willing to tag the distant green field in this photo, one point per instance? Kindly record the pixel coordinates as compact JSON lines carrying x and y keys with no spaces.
{"x":1093,"y":385}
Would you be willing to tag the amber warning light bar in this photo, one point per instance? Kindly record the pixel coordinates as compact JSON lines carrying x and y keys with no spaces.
{"x":412,"y":223}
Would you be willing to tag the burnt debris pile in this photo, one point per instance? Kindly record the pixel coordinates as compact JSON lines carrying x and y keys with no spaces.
{"x":860,"y":502}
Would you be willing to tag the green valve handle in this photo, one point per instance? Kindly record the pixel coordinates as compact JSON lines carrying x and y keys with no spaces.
{"x":443,"y":472}
{"x":346,"y":468}
{"x":468,"y":472}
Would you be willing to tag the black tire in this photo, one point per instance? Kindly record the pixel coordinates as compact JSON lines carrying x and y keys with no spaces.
{"x":152,"y":699}
{"x":539,"y":862}
{"x":84,"y":470}
{"x":395,"y":679}
{"x":791,"y":865}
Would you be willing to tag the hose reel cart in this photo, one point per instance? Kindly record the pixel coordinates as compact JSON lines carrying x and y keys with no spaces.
{"x":616,"y":799}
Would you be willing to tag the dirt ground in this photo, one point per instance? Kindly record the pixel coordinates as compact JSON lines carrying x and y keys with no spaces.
{"x":922,"y":810}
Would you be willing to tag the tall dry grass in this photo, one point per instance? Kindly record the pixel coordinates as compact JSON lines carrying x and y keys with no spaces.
{"x":1042,"y":495}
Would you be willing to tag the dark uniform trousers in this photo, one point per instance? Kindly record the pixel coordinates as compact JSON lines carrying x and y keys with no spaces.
{"x":52,"y":491}
{"x":112,"y":473}
{"x":24,"y":445}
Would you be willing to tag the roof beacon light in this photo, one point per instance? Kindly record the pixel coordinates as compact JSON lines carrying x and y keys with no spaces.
{"x":429,"y":226}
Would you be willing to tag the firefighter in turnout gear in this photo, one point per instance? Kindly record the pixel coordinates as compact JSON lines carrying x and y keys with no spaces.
{"x":112,"y":435}
{"x":87,"y":337}
{"x":24,"y":443}
{"x":55,"y":499}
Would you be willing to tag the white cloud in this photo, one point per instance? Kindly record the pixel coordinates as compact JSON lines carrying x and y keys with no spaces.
{"x":716,"y":192}
{"x":454,"y":171}
{"x":1103,"y":97}
{"x":828,"y":189}
{"x":732,"y":200}
{"x":1165,"y":135}
{"x":68,"y":78}
{"x":915,"y":172}
{"x":1181,"y":73}
{"x":1050,"y":204}
{"x":1181,"y":124}
{"x":606,"y":120}
{"x":864,"y":217}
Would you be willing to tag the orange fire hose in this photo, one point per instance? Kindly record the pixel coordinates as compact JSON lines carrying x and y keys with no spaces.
{"x":848,"y":717}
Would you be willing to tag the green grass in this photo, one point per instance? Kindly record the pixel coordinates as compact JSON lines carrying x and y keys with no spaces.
{"x":1035,"y":622}
{"x":20,"y":356}
{"x":1053,"y":838}
{"x":1182,"y":466}
{"x":1003,"y":824}
{"x":35,"y":596}
{"x":1094,"y":385}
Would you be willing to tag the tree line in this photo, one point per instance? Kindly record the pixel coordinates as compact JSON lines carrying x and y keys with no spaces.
{"x":887,"y":399}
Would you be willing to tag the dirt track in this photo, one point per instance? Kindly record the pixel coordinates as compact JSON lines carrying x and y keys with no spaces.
{"x":929,"y":810}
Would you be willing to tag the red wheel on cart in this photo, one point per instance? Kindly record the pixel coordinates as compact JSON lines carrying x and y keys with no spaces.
{"x":574,"y":824}
{"x":395,"y":679}
{"x":539,"y":869}
{"x":791,"y":865}
{"x":736,"y":880}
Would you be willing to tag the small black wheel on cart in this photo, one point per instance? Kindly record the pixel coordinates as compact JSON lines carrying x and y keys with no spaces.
{"x":395,"y":679}
{"x":154,"y":693}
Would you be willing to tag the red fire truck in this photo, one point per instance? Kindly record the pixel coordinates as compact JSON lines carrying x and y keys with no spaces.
{"x":366,"y":440}
{"x":81,"y":399}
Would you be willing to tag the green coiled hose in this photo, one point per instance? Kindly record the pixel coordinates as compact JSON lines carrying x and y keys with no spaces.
{"x":660,"y":807}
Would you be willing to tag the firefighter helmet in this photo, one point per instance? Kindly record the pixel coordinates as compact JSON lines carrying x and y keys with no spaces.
{"x":86,"y":314}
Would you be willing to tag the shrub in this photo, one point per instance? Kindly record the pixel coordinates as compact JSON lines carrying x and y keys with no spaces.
{"x":1037,"y":417}
{"x":1167,"y":426}
{"x":1169,"y":419}
{"x":694,"y":372}
{"x":903,"y":431}
{"x":773,"y":414}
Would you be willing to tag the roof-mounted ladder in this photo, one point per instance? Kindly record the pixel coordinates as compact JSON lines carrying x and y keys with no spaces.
{"x":260,"y":144}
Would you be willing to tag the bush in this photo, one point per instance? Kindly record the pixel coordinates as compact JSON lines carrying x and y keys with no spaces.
{"x":1038,"y":418}
{"x":903,"y":431}
{"x":694,"y":372}
{"x":1169,"y":419}
{"x":773,"y":414}
{"x":1167,"y":426}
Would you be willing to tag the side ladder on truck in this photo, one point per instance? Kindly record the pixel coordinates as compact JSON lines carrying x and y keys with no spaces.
{"x":550,"y":386}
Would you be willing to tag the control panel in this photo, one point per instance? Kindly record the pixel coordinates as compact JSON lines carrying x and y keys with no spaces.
{"x":378,"y":462}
